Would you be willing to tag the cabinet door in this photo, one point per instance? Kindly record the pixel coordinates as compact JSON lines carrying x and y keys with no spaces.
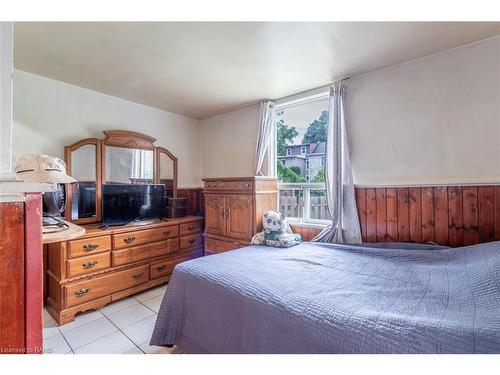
{"x":215,"y":221}
{"x":239,"y":214}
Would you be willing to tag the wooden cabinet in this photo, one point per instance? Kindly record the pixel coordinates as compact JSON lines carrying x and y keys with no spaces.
{"x":234,"y":209}
{"x":215,"y":219}
{"x":109,"y":264}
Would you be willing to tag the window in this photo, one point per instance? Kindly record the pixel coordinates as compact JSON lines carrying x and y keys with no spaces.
{"x":302,"y":195}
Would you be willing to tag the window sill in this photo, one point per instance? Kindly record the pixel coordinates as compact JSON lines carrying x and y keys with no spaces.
{"x":307,"y":225}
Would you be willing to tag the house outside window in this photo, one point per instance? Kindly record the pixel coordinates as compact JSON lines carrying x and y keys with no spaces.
{"x":301,"y":149}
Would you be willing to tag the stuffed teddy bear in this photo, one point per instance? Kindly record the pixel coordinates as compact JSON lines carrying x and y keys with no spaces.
{"x":277,"y":232}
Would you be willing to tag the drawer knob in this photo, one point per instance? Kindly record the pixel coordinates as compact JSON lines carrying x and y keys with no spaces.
{"x":90,"y":246}
{"x":138,"y":275}
{"x":247,"y":185}
{"x":192,"y":240}
{"x":89,"y":264}
{"x":191,"y":228}
{"x":129,"y":239}
{"x":82,"y":292}
{"x":160,"y":268}
{"x":167,"y":232}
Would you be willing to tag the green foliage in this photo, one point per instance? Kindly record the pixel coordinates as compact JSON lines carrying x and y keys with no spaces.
{"x":316,"y":132}
{"x":286,"y":174}
{"x":285,"y":135}
{"x":296,"y":169}
{"x":320,"y":176}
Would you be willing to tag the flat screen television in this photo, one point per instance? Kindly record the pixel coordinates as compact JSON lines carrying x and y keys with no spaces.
{"x":124,"y":203}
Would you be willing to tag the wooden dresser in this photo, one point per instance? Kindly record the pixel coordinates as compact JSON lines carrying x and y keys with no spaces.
{"x":234,"y":208}
{"x":106,"y":265}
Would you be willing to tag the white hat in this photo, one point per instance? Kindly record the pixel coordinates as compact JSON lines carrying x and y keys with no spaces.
{"x":42,"y":168}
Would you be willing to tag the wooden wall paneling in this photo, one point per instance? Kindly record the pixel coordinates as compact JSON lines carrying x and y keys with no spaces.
{"x":361,"y":206}
{"x":371,"y":215}
{"x":403,"y":215}
{"x":470,"y":215}
{"x":455,"y":216}
{"x":392,"y":214}
{"x":414,"y":195}
{"x":427,"y":196}
{"x":441,"y":215}
{"x":497,"y":213}
{"x":381,"y":215}
{"x":486,"y":213}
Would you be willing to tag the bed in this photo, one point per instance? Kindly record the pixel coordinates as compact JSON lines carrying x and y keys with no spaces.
{"x":328,"y":298}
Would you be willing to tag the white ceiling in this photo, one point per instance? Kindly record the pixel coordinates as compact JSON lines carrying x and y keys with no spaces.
{"x":201,"y":69}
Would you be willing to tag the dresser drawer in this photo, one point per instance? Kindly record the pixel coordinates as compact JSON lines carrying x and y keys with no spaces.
{"x":191,"y":228}
{"x":88,"y":264}
{"x":163,"y":268}
{"x":88,"y":290}
{"x":78,"y":248}
{"x":136,"y":253}
{"x":191,"y":241}
{"x":123,"y":240}
{"x":213,"y":246}
{"x":166,"y":267}
{"x":238,"y":185}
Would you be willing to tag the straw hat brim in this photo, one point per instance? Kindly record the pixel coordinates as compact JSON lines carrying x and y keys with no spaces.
{"x":52,"y":177}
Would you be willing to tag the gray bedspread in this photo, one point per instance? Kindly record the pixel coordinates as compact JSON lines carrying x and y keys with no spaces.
{"x":324,"y":298}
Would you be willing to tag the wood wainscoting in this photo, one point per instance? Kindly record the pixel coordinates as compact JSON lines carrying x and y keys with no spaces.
{"x":447,"y":215}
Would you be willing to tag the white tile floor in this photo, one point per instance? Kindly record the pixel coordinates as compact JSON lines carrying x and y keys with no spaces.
{"x":123,"y":327}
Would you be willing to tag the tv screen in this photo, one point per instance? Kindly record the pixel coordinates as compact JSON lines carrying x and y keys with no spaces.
{"x":123,"y":203}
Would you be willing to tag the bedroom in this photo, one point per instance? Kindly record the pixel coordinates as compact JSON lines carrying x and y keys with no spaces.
{"x":250,"y":187}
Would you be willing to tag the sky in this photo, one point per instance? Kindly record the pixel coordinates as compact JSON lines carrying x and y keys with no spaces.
{"x":302,"y":115}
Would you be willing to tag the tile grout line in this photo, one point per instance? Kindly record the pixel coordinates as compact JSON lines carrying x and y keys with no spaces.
{"x":132,"y":341}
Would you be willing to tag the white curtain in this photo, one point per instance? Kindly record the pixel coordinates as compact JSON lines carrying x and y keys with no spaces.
{"x":265,"y":141}
{"x":340,"y":192}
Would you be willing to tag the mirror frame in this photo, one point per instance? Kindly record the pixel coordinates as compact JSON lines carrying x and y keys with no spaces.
{"x":159,"y":151}
{"x":116,"y":138}
{"x":98,"y":180}
{"x":128,"y":139}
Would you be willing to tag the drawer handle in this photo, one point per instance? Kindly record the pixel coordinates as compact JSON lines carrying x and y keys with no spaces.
{"x":129,"y":239}
{"x":247,"y":185}
{"x":89,"y":264}
{"x":222,"y":212}
{"x":167,"y":232}
{"x":138,"y":275}
{"x":82,"y":292}
{"x":191,"y":228}
{"x":90,"y":246}
{"x":192,"y":240}
{"x":227,"y":212}
{"x":160,"y":268}
{"x":210,"y":244}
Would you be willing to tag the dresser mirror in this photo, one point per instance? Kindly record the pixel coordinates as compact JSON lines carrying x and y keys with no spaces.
{"x":167,"y":171}
{"x":128,"y":165}
{"x":83,"y":197}
{"x":122,"y":157}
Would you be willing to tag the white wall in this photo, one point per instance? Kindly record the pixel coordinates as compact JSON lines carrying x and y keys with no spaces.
{"x":49,"y":114}
{"x":6,"y":49}
{"x":433,"y":120}
{"x":228,"y":143}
